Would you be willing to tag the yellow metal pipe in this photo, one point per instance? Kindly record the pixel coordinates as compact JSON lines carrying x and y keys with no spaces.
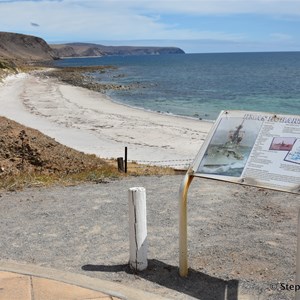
{"x":183,"y":255}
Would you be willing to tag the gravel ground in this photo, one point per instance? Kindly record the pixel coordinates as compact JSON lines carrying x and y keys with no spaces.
{"x":242,"y":240}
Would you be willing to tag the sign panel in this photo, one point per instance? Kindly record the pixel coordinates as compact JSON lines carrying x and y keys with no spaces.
{"x":253,"y":148}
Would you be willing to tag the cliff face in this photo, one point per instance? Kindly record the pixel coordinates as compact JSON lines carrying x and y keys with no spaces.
{"x":85,"y":50}
{"x":14,"y":46}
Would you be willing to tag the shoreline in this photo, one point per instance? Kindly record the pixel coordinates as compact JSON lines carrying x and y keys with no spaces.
{"x":160,"y":112}
{"x":77,"y":76}
{"x":93,"y":123}
{"x":74,"y":76}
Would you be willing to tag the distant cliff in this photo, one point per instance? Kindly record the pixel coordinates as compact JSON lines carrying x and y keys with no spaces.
{"x":84,"y":50}
{"x":21,"y":48}
{"x":25,"y":48}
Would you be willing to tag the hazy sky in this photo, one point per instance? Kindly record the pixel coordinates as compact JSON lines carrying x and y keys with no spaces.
{"x":193,"y":25}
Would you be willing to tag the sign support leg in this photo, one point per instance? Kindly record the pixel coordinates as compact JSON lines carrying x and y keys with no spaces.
{"x":297,"y":296}
{"x":183,"y":191}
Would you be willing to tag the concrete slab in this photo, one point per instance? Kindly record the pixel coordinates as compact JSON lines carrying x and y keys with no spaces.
{"x":45,"y":289}
{"x":15,"y":286}
{"x":40,"y":283}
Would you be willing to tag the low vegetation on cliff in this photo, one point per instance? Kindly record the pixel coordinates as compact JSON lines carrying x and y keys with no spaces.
{"x":28,"y":157}
{"x":6,"y":68}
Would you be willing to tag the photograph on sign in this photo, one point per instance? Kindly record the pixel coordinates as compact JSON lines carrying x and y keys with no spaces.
{"x":282,"y":143}
{"x":294,"y":155}
{"x":230,"y":147}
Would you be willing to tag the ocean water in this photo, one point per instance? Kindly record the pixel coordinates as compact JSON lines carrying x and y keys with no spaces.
{"x":201,"y":85}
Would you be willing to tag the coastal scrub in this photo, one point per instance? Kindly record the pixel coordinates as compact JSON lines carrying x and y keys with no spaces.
{"x":30,"y":158}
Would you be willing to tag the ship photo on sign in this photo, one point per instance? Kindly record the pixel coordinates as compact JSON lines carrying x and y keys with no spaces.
{"x":282,"y":143}
{"x":230,"y":147}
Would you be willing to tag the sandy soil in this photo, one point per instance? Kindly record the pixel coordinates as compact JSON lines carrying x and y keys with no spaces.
{"x":88,"y":121}
{"x":27,"y":150}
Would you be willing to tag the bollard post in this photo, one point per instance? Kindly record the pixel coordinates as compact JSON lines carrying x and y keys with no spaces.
{"x":137,"y":228}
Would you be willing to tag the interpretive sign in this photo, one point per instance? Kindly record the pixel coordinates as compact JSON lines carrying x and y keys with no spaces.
{"x":253,"y":148}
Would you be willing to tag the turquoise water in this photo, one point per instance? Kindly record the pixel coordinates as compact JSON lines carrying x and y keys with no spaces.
{"x":201,"y":85}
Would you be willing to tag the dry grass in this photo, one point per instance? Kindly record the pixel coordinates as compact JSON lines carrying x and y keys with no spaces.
{"x":138,"y":170}
{"x":13,"y":182}
{"x":6,"y":68}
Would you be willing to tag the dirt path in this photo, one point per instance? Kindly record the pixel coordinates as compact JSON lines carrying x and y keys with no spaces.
{"x":241,"y":239}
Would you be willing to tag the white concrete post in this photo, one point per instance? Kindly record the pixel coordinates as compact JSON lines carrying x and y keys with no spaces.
{"x":297,"y":296}
{"x":137,"y":228}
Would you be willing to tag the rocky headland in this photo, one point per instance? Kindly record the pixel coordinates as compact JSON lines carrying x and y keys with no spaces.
{"x":24,"y":48}
{"x":86,"y":50}
{"x":19,"y":51}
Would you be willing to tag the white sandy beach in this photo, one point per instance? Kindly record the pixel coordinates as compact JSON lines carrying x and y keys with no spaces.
{"x":90,"y":122}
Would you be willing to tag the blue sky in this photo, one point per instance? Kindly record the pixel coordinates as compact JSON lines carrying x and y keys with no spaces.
{"x":197,"y":26}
